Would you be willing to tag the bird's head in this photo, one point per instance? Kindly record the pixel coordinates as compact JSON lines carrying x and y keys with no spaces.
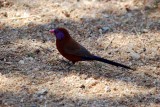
{"x":60,"y":33}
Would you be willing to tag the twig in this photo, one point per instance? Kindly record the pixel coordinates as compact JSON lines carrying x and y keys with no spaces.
{"x":136,"y":31}
{"x":109,"y":43}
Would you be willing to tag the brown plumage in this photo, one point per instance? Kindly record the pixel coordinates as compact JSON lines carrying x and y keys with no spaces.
{"x":75,"y":52}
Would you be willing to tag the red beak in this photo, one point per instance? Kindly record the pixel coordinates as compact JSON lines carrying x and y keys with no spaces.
{"x":51,"y":31}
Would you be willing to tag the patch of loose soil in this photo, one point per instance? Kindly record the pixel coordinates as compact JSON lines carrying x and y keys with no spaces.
{"x":34,"y":74}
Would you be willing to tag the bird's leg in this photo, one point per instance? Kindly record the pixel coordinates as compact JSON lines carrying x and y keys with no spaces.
{"x":66,"y":62}
{"x":69,"y":65}
{"x":63,"y":61}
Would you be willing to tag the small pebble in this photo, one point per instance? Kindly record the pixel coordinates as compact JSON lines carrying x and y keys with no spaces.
{"x":30,"y":58}
{"x":82,"y":86}
{"x":107,"y":88}
{"x":145,"y":31}
{"x":42,"y":92}
{"x":105,"y":29}
{"x":129,"y":15}
{"x":37,"y":51}
{"x":106,"y":16}
{"x":34,"y":105}
{"x":135,"y":56}
{"x":21,"y":62}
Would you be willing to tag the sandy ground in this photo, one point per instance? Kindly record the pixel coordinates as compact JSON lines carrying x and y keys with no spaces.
{"x":34,"y":74}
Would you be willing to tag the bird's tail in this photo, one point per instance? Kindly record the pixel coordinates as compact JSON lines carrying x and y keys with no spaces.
{"x":106,"y":61}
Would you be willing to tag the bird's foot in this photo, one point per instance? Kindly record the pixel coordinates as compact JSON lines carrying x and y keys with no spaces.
{"x":68,"y":64}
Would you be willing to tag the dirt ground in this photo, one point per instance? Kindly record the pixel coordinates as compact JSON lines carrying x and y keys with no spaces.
{"x":34,"y":74}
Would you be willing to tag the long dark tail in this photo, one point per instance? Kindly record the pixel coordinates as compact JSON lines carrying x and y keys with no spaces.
{"x":106,"y":61}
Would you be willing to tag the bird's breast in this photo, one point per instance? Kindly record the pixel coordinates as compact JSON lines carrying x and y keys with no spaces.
{"x":61,"y":49}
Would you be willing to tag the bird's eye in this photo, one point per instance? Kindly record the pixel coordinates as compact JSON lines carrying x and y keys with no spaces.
{"x":55,"y":32}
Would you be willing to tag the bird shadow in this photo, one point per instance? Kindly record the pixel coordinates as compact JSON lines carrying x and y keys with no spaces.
{"x":99,"y":70}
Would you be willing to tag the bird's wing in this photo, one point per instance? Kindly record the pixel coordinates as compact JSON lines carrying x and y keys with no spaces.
{"x":76,"y":49}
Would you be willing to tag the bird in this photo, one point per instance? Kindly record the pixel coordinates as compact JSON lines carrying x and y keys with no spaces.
{"x":75,"y":52}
